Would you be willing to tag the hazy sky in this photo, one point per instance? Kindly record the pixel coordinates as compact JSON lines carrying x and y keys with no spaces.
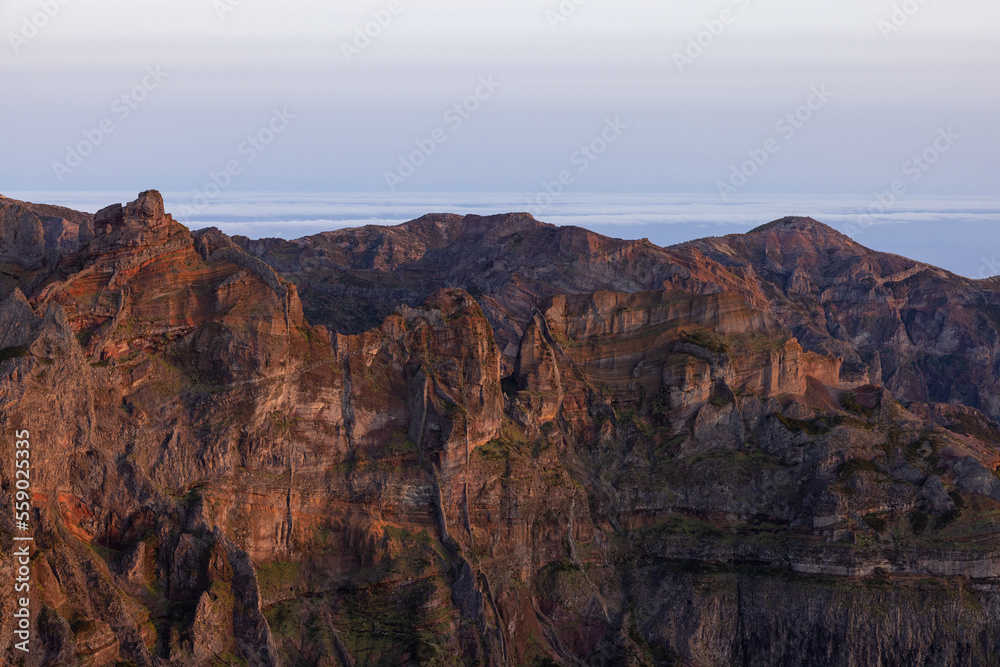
{"x":887,"y":80}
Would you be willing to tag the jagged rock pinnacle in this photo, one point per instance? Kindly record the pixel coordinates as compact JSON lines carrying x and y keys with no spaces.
{"x":148,"y":206}
{"x":146,"y":212}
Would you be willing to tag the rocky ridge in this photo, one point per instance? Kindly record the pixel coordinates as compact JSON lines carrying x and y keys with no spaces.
{"x":493,"y":441}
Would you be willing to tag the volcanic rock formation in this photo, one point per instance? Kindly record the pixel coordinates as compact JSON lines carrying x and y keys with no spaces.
{"x":492,"y":441}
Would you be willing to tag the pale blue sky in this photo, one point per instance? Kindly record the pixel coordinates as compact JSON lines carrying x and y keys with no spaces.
{"x":225,"y":75}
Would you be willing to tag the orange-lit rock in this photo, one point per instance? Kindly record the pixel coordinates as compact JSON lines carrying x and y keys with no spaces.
{"x":507,"y":444}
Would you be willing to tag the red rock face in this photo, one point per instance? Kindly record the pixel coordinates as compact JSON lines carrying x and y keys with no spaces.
{"x":507,"y":444}
{"x":36,"y":237}
{"x":629,"y":342}
{"x":143,"y":285}
{"x":914,"y":328}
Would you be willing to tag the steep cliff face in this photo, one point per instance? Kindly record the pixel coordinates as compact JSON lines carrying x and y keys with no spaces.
{"x":35,"y":239}
{"x":915,"y":328}
{"x":517,"y":444}
{"x":189,"y":420}
{"x":107,"y":366}
{"x":926,"y":334}
{"x":352,"y":279}
{"x":631,"y":342}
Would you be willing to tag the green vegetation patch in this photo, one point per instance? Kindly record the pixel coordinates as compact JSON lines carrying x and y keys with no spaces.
{"x":278,"y":576}
{"x":849,"y":401}
{"x":958,"y":499}
{"x":494,"y":450}
{"x":709,"y":340}
{"x":876,"y":523}
{"x":813,"y":428}
{"x":13,"y":352}
{"x":918,"y":522}
{"x":400,"y":445}
{"x":686,"y":525}
{"x":849,"y":469}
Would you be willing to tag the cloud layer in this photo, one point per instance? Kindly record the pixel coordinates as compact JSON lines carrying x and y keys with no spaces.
{"x":899,"y":71}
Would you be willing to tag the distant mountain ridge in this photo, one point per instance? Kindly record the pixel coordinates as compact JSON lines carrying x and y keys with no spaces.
{"x":816,"y":281}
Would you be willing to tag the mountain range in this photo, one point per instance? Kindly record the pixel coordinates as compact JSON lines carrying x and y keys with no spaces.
{"x":471,"y":440}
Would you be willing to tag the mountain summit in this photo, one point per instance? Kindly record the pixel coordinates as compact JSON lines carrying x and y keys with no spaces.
{"x":797,"y":223}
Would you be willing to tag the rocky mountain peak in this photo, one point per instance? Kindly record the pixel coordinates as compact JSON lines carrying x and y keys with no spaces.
{"x":148,"y":206}
{"x":145,"y":213}
{"x":790,"y":221}
{"x":450,"y":226}
{"x":505,"y":222}
{"x":801,"y":224}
